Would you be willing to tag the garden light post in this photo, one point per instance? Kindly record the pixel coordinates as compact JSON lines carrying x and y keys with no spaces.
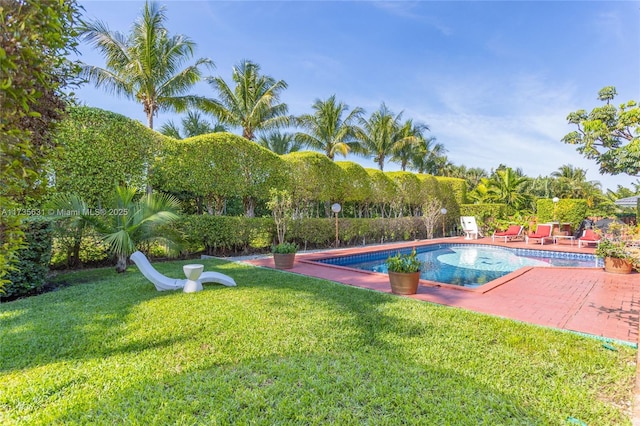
{"x":555,"y":203}
{"x":444,"y":212}
{"x":335,"y":208}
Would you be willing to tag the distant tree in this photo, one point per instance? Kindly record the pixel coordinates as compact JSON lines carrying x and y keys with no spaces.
{"x":253,"y":104}
{"x":504,"y":186}
{"x":426,"y":155}
{"x":571,"y":182}
{"x":280,"y":143}
{"x":327,"y":130}
{"x":192,"y":125}
{"x":145,"y":65}
{"x":620,"y":192}
{"x":415,"y":144}
{"x":35,"y":41}
{"x":382,"y":135}
{"x":609,"y":135}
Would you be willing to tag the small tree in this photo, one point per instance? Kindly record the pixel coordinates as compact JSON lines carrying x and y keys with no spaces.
{"x":281,"y":206}
{"x":431,"y":212}
{"x":128,"y":221}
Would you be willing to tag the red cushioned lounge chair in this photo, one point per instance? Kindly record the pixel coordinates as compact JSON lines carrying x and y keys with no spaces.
{"x":543,"y":232}
{"x":589,"y":237}
{"x":514,"y":232}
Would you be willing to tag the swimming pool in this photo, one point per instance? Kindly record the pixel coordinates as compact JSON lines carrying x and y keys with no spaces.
{"x":468,"y":265}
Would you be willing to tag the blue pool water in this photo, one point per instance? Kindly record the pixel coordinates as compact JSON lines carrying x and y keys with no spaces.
{"x":468,"y":265}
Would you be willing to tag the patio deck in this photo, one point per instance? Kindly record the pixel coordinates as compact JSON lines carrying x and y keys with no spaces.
{"x":585,"y":300}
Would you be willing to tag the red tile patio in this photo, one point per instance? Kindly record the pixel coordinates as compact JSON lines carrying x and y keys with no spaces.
{"x":585,"y":300}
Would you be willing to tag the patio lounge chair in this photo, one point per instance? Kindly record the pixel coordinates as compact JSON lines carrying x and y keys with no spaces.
{"x":470,"y":228}
{"x":542,"y":233}
{"x":589,"y":237}
{"x":514,"y":232}
{"x":162,"y":282}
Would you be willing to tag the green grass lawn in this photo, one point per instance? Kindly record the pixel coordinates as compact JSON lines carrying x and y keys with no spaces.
{"x":286,"y":349}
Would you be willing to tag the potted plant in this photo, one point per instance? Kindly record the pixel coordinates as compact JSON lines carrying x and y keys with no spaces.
{"x":284,"y":255}
{"x":404,"y":272}
{"x":619,"y":248}
{"x":280,"y":203}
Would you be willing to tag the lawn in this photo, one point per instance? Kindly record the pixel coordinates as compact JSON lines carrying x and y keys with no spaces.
{"x":286,"y":349}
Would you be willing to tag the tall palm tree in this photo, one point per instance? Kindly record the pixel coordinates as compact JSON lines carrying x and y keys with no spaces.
{"x":147,"y":64}
{"x":280,"y":143}
{"x":254,"y":103}
{"x":426,"y":155}
{"x":415,"y":146}
{"x":192,"y":125}
{"x":382,"y":135}
{"x":327,"y":130}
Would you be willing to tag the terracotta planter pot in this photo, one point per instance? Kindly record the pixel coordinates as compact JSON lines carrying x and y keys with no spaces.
{"x":617,"y":266}
{"x":404,"y":283}
{"x":284,"y":261}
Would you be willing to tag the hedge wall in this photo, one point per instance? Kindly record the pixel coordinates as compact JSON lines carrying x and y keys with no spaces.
{"x":31,"y":270}
{"x":571,"y":211}
{"x":237,"y":235}
{"x":100,"y":149}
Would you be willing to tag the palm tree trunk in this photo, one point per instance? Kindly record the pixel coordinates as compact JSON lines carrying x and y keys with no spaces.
{"x":121,"y":264}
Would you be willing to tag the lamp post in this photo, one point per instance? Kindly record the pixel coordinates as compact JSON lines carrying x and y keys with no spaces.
{"x":555,"y":203}
{"x":335,"y":208}
{"x":443,"y":211}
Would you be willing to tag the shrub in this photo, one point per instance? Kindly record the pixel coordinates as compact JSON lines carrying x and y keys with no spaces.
{"x":564,"y":211}
{"x":222,"y":234}
{"x":31,"y":270}
{"x":99,"y":150}
{"x":404,"y":263}
{"x":285,"y":248}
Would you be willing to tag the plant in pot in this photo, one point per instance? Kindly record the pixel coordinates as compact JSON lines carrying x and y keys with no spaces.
{"x":280,"y":203}
{"x":620,"y":249}
{"x":404,"y":272}
{"x":284,"y":255}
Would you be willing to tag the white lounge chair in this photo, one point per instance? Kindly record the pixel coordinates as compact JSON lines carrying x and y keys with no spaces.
{"x":162,"y":282}
{"x":470,"y":228}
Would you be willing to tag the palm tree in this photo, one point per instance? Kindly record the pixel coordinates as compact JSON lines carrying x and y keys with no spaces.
{"x":426,"y":155}
{"x":254,"y":103}
{"x":192,"y":125}
{"x":133,"y":222}
{"x":327,"y":130}
{"x":506,"y":186}
{"x":415,"y":146}
{"x":382,"y":135}
{"x":126,"y":223}
{"x":280,"y":143}
{"x":571,"y":182}
{"x":145,"y":65}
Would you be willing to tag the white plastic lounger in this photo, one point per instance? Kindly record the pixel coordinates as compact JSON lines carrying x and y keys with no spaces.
{"x":163,"y":282}
{"x":470,"y":227}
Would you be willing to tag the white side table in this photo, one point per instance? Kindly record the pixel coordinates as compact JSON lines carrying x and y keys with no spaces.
{"x":566,"y":237}
{"x":192,"y":272}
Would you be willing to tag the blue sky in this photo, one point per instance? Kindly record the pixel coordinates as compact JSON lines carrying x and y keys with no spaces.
{"x":494,"y":81}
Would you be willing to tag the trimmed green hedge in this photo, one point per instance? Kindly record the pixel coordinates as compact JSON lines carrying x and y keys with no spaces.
{"x":99,"y":150}
{"x":225,"y":235}
{"x":566,"y":211}
{"x":31,"y":270}
{"x":458,"y":187}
